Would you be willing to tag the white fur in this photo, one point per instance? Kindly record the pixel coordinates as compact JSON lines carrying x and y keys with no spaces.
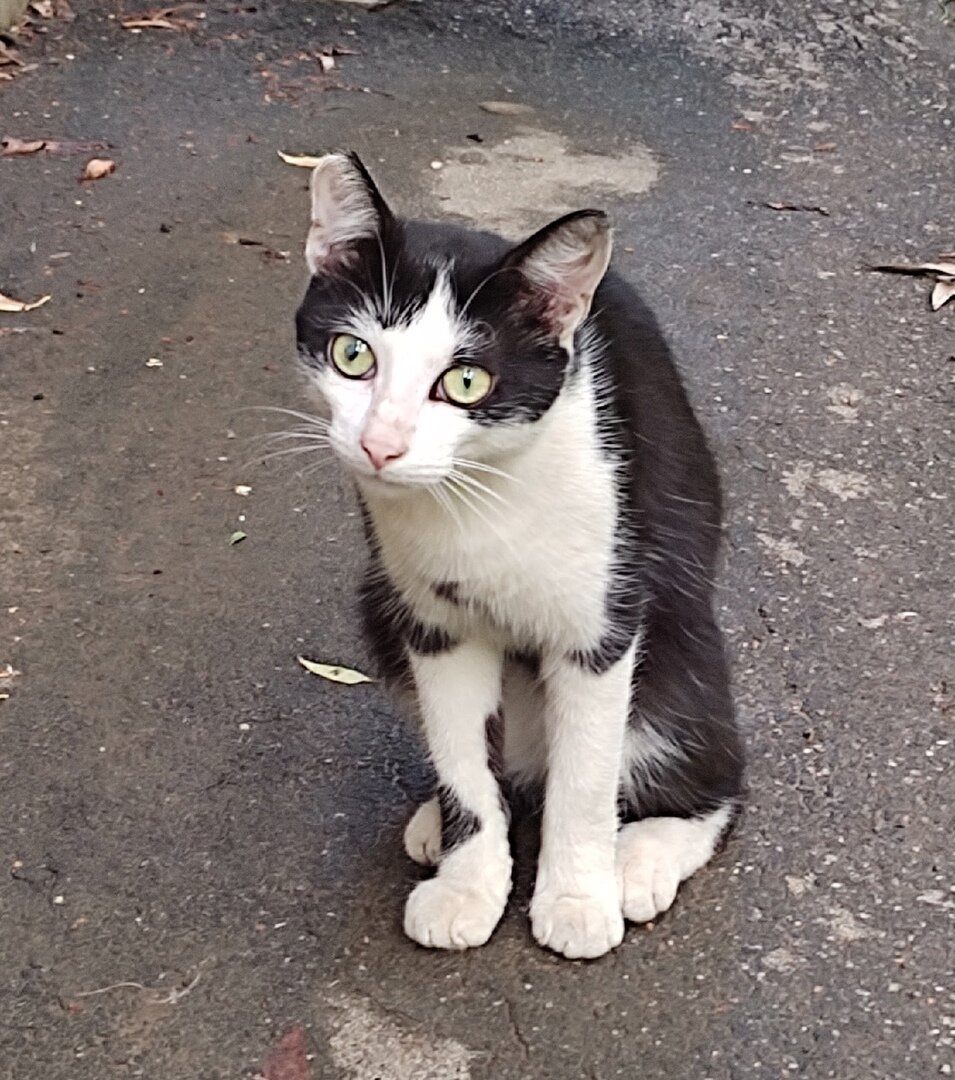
{"x":656,"y":854}
{"x":423,"y":834}
{"x":457,"y":691}
{"x":576,"y":904}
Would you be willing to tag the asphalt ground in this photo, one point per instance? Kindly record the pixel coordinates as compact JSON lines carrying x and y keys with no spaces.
{"x":203,"y":875}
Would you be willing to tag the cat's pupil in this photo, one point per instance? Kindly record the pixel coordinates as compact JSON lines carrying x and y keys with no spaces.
{"x":354,"y":349}
{"x":466,"y":377}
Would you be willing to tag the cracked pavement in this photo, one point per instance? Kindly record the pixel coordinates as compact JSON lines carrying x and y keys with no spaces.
{"x":184,"y":808}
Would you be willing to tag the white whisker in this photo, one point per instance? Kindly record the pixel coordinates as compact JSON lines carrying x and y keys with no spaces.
{"x":467,"y":497}
{"x":309,"y":418}
{"x":480,"y":466}
{"x":480,"y":490}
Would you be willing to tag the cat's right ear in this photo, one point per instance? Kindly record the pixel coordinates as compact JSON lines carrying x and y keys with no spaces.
{"x":562,"y":265}
{"x":346,"y":207}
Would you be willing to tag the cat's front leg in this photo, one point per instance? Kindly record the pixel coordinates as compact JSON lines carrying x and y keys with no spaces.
{"x":576,"y":906}
{"x":458,"y":689}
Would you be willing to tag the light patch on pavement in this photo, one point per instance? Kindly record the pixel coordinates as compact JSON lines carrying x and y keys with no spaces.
{"x":535,"y":176}
{"x":782,"y":960}
{"x":846,"y":927}
{"x":784,"y":550}
{"x":369,"y":1045}
{"x":844,"y":483}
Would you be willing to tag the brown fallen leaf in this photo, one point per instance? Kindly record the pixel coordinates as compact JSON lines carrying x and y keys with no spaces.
{"x":7,"y":303}
{"x":943,"y":292}
{"x":824,"y":147}
{"x":97,"y":168}
{"x":157,"y":22}
{"x":11,"y":146}
{"x":289,"y":1060}
{"x":506,"y":108}
{"x":163,"y":19}
{"x":9,"y":55}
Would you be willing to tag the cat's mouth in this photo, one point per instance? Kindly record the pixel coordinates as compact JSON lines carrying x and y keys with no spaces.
{"x":395,"y":483}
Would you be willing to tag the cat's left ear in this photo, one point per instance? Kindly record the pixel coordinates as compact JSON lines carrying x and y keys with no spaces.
{"x":346,"y":207}
{"x":562,"y":265}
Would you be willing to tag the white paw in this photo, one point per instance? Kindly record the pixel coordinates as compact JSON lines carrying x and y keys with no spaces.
{"x":648,"y":870}
{"x":578,"y":926}
{"x":423,"y":834}
{"x":449,"y":915}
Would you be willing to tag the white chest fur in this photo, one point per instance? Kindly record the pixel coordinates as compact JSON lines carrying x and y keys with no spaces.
{"x":531,"y":560}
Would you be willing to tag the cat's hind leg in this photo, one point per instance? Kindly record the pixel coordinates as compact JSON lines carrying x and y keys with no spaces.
{"x":422,"y":838}
{"x":656,"y":854}
{"x":682,"y":779}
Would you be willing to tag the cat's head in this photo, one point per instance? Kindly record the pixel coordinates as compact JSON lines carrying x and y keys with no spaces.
{"x":432,"y":347}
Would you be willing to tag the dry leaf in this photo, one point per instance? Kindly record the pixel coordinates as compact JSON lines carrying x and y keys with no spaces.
{"x":943,"y":292}
{"x":334,"y":673}
{"x":237,"y":537}
{"x":164,"y":19}
{"x":7,"y":303}
{"x":12,"y":146}
{"x":43,"y":8}
{"x":9,"y":56}
{"x":97,"y":168}
{"x":797,"y":207}
{"x":306,"y":161}
{"x":947,"y":268}
{"x":506,"y":108}
{"x":326,"y":61}
{"x":157,"y":23}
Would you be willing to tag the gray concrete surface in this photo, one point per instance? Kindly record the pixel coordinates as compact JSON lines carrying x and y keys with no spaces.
{"x":179,"y":801}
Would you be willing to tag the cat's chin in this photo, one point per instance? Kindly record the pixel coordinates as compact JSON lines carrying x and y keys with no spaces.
{"x":389,"y":487}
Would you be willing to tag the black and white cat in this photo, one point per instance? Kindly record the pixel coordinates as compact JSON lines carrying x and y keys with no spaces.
{"x":543,"y":516}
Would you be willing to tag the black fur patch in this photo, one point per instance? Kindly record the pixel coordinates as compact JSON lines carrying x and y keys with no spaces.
{"x":447,"y":590}
{"x":457,"y":824}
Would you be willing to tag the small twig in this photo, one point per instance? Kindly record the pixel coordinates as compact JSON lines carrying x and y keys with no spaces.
{"x":112,"y":986}
{"x":171,"y":998}
{"x":797,"y":207}
{"x":177,"y":995}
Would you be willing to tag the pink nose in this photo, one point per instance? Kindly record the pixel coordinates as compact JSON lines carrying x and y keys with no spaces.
{"x":382,"y":449}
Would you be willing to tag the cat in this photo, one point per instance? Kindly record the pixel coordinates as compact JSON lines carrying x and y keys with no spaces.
{"x":543,"y":517}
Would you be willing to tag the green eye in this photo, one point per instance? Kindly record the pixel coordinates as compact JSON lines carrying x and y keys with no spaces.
{"x":466,"y":385}
{"x":351,"y":356}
